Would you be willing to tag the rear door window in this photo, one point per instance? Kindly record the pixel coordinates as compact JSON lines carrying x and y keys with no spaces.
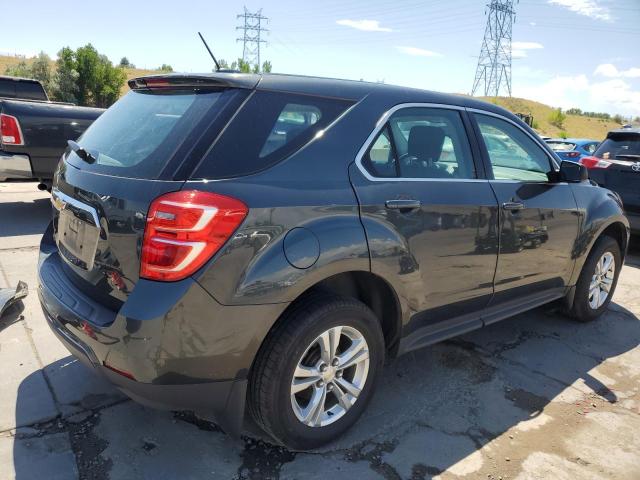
{"x":269,"y":128}
{"x":140,"y":134}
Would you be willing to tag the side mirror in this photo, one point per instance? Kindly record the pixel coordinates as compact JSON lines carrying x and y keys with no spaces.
{"x":573,"y":172}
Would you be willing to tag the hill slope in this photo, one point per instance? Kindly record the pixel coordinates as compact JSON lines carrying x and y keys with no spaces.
{"x":575,"y":126}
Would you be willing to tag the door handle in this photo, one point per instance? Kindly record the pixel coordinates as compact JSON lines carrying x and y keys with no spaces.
{"x":513,"y":206}
{"x":402,"y":204}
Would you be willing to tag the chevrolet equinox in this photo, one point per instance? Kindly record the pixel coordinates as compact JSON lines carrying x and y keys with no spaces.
{"x":228,"y":241}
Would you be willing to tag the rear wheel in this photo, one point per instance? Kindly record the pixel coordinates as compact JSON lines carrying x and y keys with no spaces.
{"x":598,"y":280}
{"x":317,"y":371}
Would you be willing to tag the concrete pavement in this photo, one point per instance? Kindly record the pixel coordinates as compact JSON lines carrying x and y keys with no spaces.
{"x":534,"y":397}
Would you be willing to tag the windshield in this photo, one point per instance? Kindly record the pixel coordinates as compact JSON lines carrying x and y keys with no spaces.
{"x":619,"y":145}
{"x":141,"y":132}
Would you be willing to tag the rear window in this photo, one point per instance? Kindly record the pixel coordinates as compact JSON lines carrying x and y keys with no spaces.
{"x":140,"y":134}
{"x":30,"y":91}
{"x":561,"y":146}
{"x":269,"y":128}
{"x":620,"y":145}
{"x":7,"y":88}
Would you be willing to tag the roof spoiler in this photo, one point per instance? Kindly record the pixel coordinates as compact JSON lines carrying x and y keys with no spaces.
{"x":217,"y":80}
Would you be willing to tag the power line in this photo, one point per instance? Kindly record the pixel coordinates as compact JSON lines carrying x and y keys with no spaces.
{"x":494,"y":63}
{"x":251,"y":38}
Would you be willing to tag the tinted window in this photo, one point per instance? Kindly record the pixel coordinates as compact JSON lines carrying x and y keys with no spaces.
{"x":269,"y":128}
{"x":139,"y":134}
{"x":513,"y":154}
{"x":7,"y":88}
{"x":620,"y":145}
{"x":431,"y":143}
{"x":30,"y":91}
{"x":380,"y":160}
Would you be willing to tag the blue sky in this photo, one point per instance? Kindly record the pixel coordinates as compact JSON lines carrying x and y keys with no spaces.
{"x":567,"y":53}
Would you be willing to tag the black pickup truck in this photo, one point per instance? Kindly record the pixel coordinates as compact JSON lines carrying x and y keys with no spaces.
{"x":34,"y":131}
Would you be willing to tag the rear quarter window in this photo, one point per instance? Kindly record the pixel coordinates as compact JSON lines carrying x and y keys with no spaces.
{"x":270,"y":127}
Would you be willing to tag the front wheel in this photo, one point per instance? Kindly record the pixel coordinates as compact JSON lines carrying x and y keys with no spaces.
{"x":317,"y":371}
{"x":598,"y":280}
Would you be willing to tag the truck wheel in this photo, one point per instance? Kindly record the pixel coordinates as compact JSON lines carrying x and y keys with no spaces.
{"x":598,"y":280}
{"x":316,"y":371}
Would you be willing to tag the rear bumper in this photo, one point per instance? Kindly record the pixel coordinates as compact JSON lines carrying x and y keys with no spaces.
{"x":14,"y":166}
{"x":178,"y":348}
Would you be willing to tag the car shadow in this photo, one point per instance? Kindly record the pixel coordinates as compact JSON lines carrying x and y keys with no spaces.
{"x":433,"y":408}
{"x":31,"y":217}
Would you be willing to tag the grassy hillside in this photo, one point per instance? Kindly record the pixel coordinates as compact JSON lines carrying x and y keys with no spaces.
{"x":575,"y":125}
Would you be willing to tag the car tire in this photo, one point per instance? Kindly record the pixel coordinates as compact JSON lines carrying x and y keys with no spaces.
{"x":293,"y":347}
{"x":589,"y":300}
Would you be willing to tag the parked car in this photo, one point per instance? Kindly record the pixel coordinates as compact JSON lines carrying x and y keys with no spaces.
{"x":34,"y":131}
{"x":572,"y":148}
{"x":616,"y":165}
{"x":229,"y":240}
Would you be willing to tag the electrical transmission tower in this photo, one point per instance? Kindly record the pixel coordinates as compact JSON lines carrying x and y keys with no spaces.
{"x":251,"y":40}
{"x":494,"y":64}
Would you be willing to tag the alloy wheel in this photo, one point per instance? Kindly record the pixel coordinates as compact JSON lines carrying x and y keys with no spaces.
{"x":602,"y":280}
{"x":329,"y":376}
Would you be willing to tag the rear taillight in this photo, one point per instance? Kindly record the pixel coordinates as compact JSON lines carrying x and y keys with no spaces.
{"x":572,"y":154}
{"x":594,"y":162}
{"x":10,"y":130}
{"x":185,"y":229}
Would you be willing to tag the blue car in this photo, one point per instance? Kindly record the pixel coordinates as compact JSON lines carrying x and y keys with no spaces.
{"x":573,"y":148}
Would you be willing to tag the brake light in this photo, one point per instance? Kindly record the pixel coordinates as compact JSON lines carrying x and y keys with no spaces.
{"x":572,"y":154}
{"x":185,"y":229}
{"x":594,"y":162}
{"x":10,"y":130}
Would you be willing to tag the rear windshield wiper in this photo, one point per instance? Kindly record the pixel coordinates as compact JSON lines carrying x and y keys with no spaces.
{"x":627,"y":155}
{"x":81,"y":152}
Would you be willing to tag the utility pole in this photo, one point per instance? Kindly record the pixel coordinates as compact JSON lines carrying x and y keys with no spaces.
{"x":494,"y":64}
{"x":252,"y":29}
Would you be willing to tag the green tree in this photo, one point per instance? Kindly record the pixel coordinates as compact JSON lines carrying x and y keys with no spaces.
{"x":41,"y":68}
{"x":618,"y":119}
{"x":266,"y":66}
{"x":165,"y":68}
{"x":243,"y":66}
{"x":125,"y":63}
{"x":99,"y":82}
{"x":65,"y":77}
{"x":557,"y":118}
{"x":20,"y":69}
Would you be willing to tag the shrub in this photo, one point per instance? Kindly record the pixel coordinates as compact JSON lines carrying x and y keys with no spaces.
{"x":557,"y":118}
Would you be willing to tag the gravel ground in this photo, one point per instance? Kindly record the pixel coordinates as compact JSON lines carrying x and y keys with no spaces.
{"x":533,"y":397}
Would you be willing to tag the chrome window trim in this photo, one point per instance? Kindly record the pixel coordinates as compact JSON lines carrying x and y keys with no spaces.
{"x":60,"y":200}
{"x":379,"y":126}
{"x":554,"y":163}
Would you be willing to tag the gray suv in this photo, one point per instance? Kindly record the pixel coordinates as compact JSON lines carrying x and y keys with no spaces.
{"x":224,"y":242}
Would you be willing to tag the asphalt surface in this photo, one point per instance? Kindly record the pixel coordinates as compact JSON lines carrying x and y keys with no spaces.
{"x":534,"y":397}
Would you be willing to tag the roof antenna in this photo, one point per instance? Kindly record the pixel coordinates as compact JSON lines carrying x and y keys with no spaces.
{"x":210,"y":52}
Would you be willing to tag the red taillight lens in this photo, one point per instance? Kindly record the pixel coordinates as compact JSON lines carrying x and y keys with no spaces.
{"x":594,"y":162}
{"x":185,"y":229}
{"x":10,"y":130}
{"x":572,"y":154}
